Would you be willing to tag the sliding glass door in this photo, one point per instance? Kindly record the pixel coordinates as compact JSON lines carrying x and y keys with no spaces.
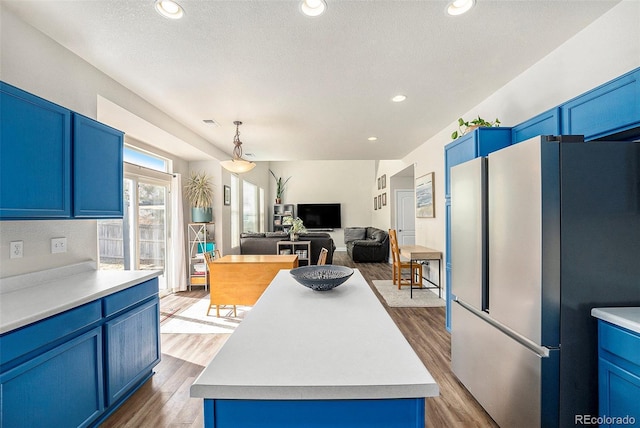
{"x":139,"y":240}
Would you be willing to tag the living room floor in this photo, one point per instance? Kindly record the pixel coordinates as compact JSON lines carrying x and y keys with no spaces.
{"x":164,"y":400}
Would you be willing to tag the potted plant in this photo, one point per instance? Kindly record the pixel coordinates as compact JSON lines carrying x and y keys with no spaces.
{"x":294,"y":226}
{"x":279,"y":187}
{"x":200,"y":195}
{"x":465,"y":127}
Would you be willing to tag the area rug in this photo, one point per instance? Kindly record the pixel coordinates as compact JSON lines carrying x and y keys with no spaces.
{"x":194,"y":319}
{"x":422,"y":298}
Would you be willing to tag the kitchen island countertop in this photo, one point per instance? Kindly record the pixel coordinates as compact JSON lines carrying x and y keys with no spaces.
{"x":28,"y":298}
{"x":626,"y":317}
{"x":300,"y":344}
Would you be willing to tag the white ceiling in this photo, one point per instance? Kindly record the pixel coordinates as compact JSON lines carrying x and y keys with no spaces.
{"x":312,"y":88}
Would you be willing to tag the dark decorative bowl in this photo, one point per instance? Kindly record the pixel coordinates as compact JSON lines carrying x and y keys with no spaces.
{"x":323,"y":277}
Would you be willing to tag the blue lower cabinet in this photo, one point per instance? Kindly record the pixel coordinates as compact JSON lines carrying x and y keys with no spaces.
{"x":383,"y":413}
{"x":618,"y":376}
{"x":75,"y":368}
{"x":60,"y":388}
{"x":132,"y":349}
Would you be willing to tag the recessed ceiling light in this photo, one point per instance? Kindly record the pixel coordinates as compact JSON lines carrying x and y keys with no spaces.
{"x":458,"y":7}
{"x":313,"y":7}
{"x":169,"y":9}
{"x":372,"y":138}
{"x":399,"y":98}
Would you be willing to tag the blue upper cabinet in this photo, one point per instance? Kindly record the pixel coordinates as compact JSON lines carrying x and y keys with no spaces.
{"x":547,"y":123}
{"x":55,"y":163}
{"x":97,"y":169}
{"x":480,"y":142}
{"x":35,"y":156}
{"x":609,"y":109}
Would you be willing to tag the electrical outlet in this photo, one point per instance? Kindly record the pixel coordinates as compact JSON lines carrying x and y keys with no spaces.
{"x":16,"y":249}
{"x":58,"y":245}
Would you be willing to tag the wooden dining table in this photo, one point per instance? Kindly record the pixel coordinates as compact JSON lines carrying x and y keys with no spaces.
{"x":241,"y":279}
{"x":420,"y":254}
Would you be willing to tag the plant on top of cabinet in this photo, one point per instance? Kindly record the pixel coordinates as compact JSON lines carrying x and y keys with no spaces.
{"x":279,"y":186}
{"x":200,"y":196}
{"x":467,"y":126}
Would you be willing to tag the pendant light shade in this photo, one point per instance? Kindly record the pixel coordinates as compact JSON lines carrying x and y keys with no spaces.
{"x":237,"y":164}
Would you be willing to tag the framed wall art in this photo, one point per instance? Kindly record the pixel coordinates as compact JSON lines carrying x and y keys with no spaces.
{"x":227,"y":195}
{"x":424,"y":196}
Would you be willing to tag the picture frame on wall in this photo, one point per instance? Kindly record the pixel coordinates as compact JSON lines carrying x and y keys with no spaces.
{"x":375,"y":202}
{"x":227,"y":195}
{"x":379,"y":201}
{"x":424,"y":196}
{"x":384,"y":181}
{"x":384,"y":199}
{"x":379,"y":183}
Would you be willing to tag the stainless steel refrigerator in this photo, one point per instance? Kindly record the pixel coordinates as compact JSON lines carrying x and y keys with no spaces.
{"x":541,"y":232}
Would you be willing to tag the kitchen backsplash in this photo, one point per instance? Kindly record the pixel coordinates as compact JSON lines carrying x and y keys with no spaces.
{"x":36,"y":235}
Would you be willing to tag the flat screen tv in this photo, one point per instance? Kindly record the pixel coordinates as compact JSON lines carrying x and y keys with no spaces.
{"x":320,"y":216}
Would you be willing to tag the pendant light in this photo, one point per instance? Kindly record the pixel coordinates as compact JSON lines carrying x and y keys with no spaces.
{"x":237,"y":164}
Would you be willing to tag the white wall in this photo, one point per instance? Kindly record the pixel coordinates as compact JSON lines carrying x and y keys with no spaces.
{"x":345,"y":182}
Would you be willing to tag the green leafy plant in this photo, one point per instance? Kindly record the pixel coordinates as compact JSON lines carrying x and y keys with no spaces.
{"x":466,"y":126}
{"x":198,"y":190}
{"x":297,"y":226}
{"x":280,"y":185}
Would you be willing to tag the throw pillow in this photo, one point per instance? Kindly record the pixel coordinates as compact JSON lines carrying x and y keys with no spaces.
{"x":354,"y":233}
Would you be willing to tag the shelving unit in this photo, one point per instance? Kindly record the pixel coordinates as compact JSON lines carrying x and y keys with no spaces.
{"x":302,"y":249}
{"x":279,"y":212}
{"x":201,"y":240}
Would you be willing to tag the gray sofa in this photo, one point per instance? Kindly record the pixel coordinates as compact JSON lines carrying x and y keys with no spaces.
{"x":367,"y":244}
{"x":265,"y":243}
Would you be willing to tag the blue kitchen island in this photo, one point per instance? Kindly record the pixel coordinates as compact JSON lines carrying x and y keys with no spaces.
{"x":316,"y":359}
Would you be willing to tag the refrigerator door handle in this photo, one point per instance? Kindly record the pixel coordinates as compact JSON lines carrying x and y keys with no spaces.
{"x":542,"y":351}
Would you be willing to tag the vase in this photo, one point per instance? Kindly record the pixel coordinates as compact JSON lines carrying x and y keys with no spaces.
{"x":201,"y":215}
{"x":293,"y":236}
{"x":278,"y":200}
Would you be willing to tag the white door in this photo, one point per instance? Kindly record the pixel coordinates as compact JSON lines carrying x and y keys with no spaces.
{"x":405,"y":217}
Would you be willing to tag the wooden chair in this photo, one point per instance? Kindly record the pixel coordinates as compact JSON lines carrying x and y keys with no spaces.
{"x":210,"y":256}
{"x":415,"y":269}
{"x":323,"y":256}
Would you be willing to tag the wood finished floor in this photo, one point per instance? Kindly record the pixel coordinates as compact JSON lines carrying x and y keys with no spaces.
{"x":164,"y":400}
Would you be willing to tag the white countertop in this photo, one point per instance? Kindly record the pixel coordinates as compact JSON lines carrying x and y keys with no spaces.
{"x":301,"y":344}
{"x":28,"y":298}
{"x":628,"y":318}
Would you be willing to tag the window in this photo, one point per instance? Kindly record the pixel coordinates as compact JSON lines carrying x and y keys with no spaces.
{"x":235,"y":212}
{"x":247,"y":209}
{"x":250,"y":209}
{"x":261,"y":217}
{"x":142,"y":158}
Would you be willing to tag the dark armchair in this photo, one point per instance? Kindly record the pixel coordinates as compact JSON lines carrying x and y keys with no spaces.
{"x":367,"y":244}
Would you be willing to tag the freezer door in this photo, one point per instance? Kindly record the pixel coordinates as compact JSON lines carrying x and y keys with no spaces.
{"x":515,"y":235}
{"x":516,"y":386}
{"x":468,"y":232}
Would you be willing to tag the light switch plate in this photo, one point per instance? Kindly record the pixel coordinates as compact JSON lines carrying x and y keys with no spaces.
{"x":58,"y":245}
